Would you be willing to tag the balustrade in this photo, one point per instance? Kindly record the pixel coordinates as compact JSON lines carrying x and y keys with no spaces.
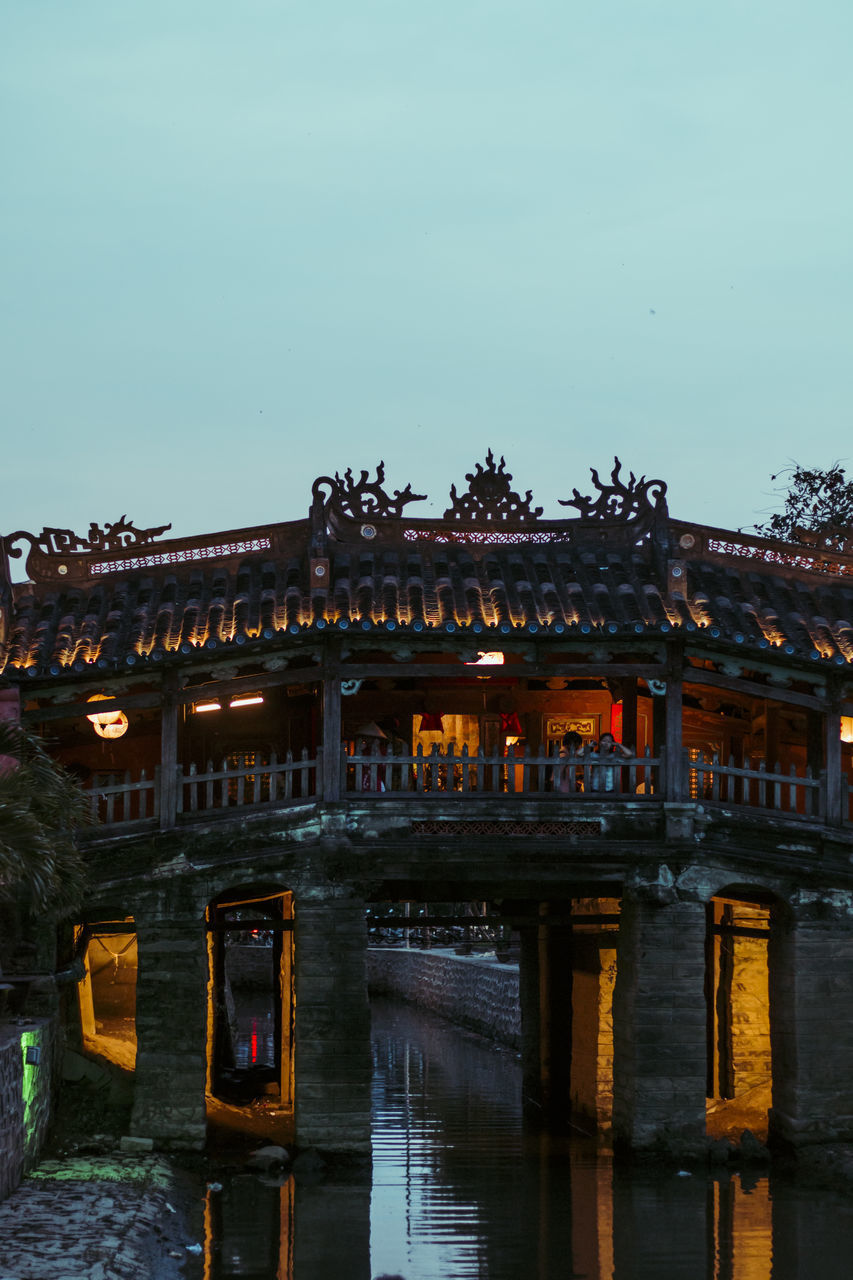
{"x":453,"y":776}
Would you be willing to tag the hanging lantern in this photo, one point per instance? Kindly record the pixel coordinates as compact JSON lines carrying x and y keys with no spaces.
{"x":511,"y":725}
{"x":107,"y":724}
{"x":431,"y":722}
{"x":115,"y":728}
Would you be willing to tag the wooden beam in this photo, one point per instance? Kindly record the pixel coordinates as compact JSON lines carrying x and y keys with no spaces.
{"x":510,"y":670}
{"x":695,"y":675}
{"x":331,"y":693}
{"x":674,"y":773}
{"x":832,"y":756}
{"x":73,"y":710}
{"x":169,"y":752}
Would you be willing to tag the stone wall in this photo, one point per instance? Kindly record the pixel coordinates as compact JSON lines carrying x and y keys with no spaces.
{"x":470,"y":991}
{"x":26,"y":1096}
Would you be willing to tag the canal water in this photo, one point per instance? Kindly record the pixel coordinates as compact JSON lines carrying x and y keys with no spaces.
{"x":460,"y":1191}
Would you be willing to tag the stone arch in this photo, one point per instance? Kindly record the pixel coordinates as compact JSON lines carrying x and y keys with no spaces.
{"x":250,"y":1009}
{"x":743,"y":992}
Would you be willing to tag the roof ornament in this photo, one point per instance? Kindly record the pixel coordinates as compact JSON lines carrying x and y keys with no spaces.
{"x":490,"y":497}
{"x":363,"y":499}
{"x":638,"y":500}
{"x":62,"y":542}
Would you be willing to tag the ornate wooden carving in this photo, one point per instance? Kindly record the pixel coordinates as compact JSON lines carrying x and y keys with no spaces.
{"x":363,"y":499}
{"x":637,"y":501}
{"x":490,"y":497}
{"x":62,"y":542}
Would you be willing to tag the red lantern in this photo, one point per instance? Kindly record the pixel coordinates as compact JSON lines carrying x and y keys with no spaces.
{"x":431,"y":722}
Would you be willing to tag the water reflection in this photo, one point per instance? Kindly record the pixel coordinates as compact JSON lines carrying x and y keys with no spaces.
{"x":459,"y":1190}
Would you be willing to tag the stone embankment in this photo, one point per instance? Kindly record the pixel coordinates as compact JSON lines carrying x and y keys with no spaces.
{"x":474,"y":991}
{"x":29,"y":1065}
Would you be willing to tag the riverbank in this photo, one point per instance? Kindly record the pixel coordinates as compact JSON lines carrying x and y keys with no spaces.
{"x":94,"y":1218}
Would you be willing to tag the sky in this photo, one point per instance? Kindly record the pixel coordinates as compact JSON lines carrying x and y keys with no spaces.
{"x":245,"y":245}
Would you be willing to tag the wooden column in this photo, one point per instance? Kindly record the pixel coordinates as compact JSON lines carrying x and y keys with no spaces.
{"x":169,"y":711}
{"x":629,"y":713}
{"x":832,"y":754}
{"x":674,"y":779}
{"x":331,"y":781}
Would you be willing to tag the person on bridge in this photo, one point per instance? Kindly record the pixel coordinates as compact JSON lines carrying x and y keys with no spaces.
{"x":604,"y":762}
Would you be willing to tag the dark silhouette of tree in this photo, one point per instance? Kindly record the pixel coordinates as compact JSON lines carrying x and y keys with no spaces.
{"x":41,"y":810}
{"x":816,"y":503}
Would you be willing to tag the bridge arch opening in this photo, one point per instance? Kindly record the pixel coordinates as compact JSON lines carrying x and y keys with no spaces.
{"x":106,"y":991}
{"x":742,"y":991}
{"x":250,"y":1011}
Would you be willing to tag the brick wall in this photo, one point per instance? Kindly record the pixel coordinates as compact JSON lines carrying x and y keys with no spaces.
{"x":468,"y":990}
{"x":26,"y":1096}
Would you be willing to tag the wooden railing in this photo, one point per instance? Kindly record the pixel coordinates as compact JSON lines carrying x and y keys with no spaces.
{"x":464,"y":773}
{"x":127,"y":801}
{"x":276,"y":783}
{"x":753,"y":786}
{"x":453,"y":775}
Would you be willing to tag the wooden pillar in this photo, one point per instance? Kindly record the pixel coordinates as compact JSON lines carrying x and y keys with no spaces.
{"x":629,"y":713}
{"x":169,"y":710}
{"x":771,"y":735}
{"x":674,"y":778}
{"x":332,"y":724}
{"x":832,"y":755}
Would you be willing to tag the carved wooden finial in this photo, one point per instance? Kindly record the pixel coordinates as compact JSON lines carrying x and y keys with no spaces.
{"x":490,"y":497}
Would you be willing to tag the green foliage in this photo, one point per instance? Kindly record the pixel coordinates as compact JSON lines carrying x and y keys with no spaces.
{"x":41,"y":809}
{"x":815,"y":502}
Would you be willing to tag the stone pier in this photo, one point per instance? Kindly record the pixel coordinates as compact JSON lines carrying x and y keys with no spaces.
{"x":171,"y":1028}
{"x":811,"y":990}
{"x":333,"y":1064}
{"x":659,"y":1019}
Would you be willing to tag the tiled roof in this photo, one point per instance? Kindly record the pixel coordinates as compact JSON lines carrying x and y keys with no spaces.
{"x":356,"y":566}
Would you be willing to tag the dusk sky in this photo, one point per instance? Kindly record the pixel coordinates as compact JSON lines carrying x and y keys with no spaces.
{"x":247,"y":244}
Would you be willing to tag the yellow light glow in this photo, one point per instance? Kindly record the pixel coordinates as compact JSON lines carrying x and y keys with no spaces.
{"x":103,"y":717}
{"x":207,"y":706}
{"x":487,"y":660}
{"x":113,"y":729}
{"x":847,"y":728}
{"x":246,"y":700}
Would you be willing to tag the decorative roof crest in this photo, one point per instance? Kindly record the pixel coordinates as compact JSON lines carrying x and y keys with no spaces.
{"x":637,"y":501}
{"x":62,"y":542}
{"x":490,"y":497}
{"x":364,"y":499}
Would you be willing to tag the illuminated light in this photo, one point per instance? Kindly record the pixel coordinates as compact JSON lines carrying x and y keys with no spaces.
{"x":103,"y":717}
{"x":207,"y":706}
{"x":847,"y":728}
{"x":115,"y":729}
{"x":491,"y":659}
{"x":246,"y":700}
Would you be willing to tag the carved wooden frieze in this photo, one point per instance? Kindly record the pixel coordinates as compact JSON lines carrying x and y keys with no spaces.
{"x":59,"y":552}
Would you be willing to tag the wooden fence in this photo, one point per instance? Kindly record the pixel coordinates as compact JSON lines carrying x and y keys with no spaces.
{"x":450,"y":775}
